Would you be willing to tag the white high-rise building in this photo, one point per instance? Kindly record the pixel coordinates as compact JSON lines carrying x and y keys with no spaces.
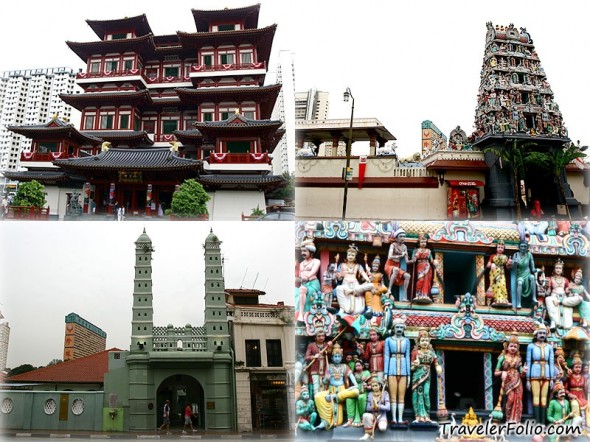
{"x":311,"y":105}
{"x":4,"y":337}
{"x":285,"y":111}
{"x":27,"y":97}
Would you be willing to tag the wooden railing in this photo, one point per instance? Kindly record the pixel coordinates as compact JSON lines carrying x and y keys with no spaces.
{"x":198,"y":68}
{"x":30,"y":213}
{"x":49,"y":156}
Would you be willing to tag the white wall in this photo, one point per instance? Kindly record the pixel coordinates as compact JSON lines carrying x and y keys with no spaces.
{"x":228,"y":205}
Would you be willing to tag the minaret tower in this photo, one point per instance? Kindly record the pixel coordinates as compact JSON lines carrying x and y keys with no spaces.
{"x":216,"y":322}
{"x":143,"y":313}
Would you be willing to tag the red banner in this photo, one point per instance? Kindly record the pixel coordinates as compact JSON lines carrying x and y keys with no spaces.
{"x":362,"y":168}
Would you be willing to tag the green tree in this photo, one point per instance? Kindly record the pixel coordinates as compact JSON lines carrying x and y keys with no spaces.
{"x":25,"y":368}
{"x":29,"y":194}
{"x":287,"y":191}
{"x":513,"y":155}
{"x":190,"y":200}
{"x":555,"y":161}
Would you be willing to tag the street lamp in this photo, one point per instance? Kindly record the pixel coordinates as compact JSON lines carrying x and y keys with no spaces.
{"x":347,"y":172}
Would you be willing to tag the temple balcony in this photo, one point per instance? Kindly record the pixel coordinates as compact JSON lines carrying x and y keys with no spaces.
{"x":133,"y":75}
{"x":32,"y":157}
{"x":201,"y":70}
{"x":253,"y":162}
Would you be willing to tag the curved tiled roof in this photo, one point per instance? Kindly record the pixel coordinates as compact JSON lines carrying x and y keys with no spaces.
{"x":139,"y":23}
{"x":249,"y":14}
{"x":188,"y":134}
{"x":143,"y":45}
{"x":238,"y":122}
{"x":88,"y":369}
{"x":54,"y":129}
{"x":43,"y":176}
{"x":241,"y":181}
{"x":130,"y":159}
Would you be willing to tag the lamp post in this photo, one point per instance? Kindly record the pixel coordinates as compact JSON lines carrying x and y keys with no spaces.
{"x":347,"y":173}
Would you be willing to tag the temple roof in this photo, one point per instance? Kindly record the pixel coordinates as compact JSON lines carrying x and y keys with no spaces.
{"x":188,"y":135}
{"x":247,"y":14}
{"x":142,"y":45}
{"x":126,"y":137}
{"x":159,"y":159}
{"x":54,"y":129}
{"x":241,"y":181}
{"x":133,"y":98}
{"x":139,"y":23}
{"x":320,"y":131}
{"x":43,"y":176}
{"x":265,"y":95}
{"x":262,"y":38}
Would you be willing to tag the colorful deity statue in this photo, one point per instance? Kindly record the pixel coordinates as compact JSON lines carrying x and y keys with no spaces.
{"x":340,"y":385}
{"x":558,"y":412}
{"x":378,"y":405}
{"x":497,"y":264}
{"x":355,"y":407}
{"x":425,"y":267}
{"x":306,"y":412}
{"x":576,"y":287}
{"x":561,"y":368}
{"x":351,"y":293}
{"x":374,"y":353}
{"x":309,"y":291}
{"x":560,"y":302}
{"x":523,"y":266}
{"x":373,"y":297}
{"x":316,"y":360}
{"x":397,"y":368}
{"x":423,"y":357}
{"x":329,"y":283}
{"x":576,"y":386}
{"x":398,"y":252}
{"x":541,"y":371}
{"x":510,"y":370}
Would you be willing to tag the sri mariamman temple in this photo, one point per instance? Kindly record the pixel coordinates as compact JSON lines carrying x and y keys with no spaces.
{"x":407,"y":324}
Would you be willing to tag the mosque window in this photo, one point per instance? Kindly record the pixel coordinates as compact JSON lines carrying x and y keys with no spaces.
{"x":78,"y":407}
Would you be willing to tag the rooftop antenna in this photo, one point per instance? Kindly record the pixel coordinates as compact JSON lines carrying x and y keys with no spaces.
{"x":242,"y":284}
{"x":264,"y":288}
{"x":255,"y":281}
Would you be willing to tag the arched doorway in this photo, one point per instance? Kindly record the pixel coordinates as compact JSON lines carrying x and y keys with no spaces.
{"x":181,"y":390}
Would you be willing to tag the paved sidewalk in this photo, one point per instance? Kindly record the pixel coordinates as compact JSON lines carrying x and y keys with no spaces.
{"x":175,"y":434}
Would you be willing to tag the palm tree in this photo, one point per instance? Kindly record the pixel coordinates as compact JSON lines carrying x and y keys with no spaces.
{"x":513,"y":154}
{"x":555,"y":162}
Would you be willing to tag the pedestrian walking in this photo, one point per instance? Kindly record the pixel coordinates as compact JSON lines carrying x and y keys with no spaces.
{"x":166,"y":416}
{"x":188,"y":419}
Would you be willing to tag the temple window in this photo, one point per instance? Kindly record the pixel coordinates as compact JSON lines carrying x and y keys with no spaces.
{"x":224,"y":115}
{"x":238,"y":146}
{"x":169,"y":126}
{"x":227,"y":27}
{"x":171,"y":71}
{"x":124,"y":121}
{"x":136,"y":123}
{"x":128,"y":65}
{"x":149,"y":126}
{"x":207,"y":59}
{"x":226,"y":57}
{"x":46,"y":147}
{"x":106,"y":121}
{"x":111,"y":65}
{"x":118,"y":36}
{"x":89,"y":122}
{"x":207,"y":116}
{"x":95,"y":67}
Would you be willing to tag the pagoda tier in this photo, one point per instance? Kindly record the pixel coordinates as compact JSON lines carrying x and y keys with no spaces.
{"x":42,"y":176}
{"x":55,"y":129}
{"x":247,"y":16}
{"x":143,"y":46}
{"x":514,"y":94}
{"x":139,"y":24}
{"x":131,"y":138}
{"x":265,"y":96}
{"x":81,"y":101}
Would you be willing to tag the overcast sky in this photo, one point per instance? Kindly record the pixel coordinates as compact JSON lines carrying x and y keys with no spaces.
{"x":405,"y":62}
{"x":50,"y":269}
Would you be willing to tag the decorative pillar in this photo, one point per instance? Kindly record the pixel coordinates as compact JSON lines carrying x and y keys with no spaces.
{"x":442,"y":414}
{"x":86,"y":197}
{"x":440,"y":297}
{"x":487,"y":381}
{"x":481,"y":288}
{"x":148,"y":201}
{"x":111,"y":198}
{"x":372,"y":144}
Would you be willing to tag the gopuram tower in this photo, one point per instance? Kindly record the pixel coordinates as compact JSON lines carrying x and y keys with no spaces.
{"x":516,"y":114}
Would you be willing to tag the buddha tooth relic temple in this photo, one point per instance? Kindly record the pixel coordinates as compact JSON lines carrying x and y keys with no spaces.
{"x":407,"y":324}
{"x":158,"y":109}
{"x":496,"y":172}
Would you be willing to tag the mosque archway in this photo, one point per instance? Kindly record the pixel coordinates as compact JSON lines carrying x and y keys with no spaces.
{"x":181,"y":389}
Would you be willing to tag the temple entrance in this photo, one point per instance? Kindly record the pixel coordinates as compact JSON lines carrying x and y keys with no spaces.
{"x":269,"y":401}
{"x":181,"y":390}
{"x":542,"y":187}
{"x":461,"y":395}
